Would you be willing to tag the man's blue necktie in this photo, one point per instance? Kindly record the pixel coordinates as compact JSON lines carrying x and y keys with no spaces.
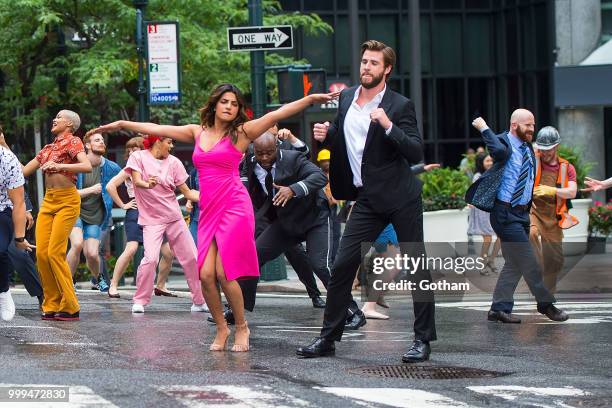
{"x":523,"y":176}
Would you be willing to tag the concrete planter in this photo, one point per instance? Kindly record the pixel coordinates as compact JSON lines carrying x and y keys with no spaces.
{"x":446,"y":226}
{"x":575,"y":238}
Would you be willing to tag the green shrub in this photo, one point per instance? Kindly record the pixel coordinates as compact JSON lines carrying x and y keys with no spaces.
{"x":574,"y":155}
{"x":444,"y":189}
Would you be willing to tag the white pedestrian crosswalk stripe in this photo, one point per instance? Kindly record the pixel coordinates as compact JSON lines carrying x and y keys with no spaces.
{"x":227,"y":396}
{"x":394,"y":397}
{"x":545,"y":397}
{"x":582,"y":312}
{"x":262,"y":396}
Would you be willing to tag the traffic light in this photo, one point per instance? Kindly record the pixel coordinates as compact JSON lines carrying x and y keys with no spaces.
{"x":294,"y":84}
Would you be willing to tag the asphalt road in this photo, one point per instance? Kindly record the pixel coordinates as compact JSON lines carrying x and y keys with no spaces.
{"x":113,"y":358}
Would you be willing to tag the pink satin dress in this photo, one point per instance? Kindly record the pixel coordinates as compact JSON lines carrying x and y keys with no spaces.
{"x":226,"y":211}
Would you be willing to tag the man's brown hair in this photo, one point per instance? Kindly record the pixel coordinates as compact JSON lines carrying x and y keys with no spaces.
{"x":88,"y":136}
{"x":389,"y":56}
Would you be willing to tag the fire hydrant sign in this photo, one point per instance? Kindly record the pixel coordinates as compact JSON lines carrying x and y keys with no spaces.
{"x":163,"y":63}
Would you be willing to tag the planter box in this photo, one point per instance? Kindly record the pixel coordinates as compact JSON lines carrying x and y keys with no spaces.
{"x":575,"y":238}
{"x":446,"y":226}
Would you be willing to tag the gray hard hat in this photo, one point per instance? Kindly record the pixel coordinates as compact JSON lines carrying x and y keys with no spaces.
{"x":547,"y":138}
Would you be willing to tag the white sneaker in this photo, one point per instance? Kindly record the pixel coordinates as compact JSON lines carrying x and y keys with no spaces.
{"x":7,"y":306}
{"x":200,"y":308}
{"x":137,"y":308}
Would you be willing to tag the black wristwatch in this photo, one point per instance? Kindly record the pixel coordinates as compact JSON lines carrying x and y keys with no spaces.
{"x":21,"y":239}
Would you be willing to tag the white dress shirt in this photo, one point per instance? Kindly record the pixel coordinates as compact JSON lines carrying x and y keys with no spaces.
{"x":261,"y":175}
{"x":356,"y":126}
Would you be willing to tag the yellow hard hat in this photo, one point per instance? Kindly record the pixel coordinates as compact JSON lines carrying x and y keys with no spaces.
{"x":324,"y":154}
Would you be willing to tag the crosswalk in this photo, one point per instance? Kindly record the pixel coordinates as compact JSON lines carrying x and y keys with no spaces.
{"x":581,"y":312}
{"x":263,"y":396}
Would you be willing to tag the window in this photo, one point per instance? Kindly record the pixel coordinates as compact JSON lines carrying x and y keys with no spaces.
{"x":511,"y":41}
{"x":315,"y":5}
{"x":343,"y":42}
{"x":425,"y":44}
{"x":450,"y":154}
{"x":477,"y":4}
{"x":384,"y":4}
{"x":446,"y":4}
{"x":319,"y":50}
{"x":447,"y":44}
{"x":383,"y":28}
{"x":449,"y":106}
{"x":478,"y":58}
{"x":479,"y":103}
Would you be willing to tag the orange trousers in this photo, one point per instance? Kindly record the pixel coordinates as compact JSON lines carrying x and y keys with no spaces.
{"x":57,"y":215}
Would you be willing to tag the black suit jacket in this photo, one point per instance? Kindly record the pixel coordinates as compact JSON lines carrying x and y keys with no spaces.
{"x":293,"y":170}
{"x":388,"y":182}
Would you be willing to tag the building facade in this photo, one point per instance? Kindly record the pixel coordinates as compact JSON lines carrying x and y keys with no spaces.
{"x":483,"y":57}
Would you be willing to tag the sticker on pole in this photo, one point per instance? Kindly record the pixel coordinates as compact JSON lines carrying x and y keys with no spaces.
{"x":259,"y":38}
{"x":163,"y":67}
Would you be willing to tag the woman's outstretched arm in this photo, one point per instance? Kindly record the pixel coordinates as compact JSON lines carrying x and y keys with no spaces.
{"x":185,"y":133}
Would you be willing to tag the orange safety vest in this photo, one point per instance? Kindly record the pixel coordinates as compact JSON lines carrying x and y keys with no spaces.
{"x":566,"y":220}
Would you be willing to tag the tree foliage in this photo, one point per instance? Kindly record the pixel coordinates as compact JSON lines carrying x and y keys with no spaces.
{"x":97,"y":75}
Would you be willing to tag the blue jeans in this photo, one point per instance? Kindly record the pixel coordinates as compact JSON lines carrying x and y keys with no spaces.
{"x":193,"y":228}
{"x":89,"y":230}
{"x":512,"y":226}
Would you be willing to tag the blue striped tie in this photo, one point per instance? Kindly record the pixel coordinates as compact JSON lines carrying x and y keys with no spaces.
{"x":522,"y":180}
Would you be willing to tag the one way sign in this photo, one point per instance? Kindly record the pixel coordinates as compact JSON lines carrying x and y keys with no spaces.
{"x":259,"y":38}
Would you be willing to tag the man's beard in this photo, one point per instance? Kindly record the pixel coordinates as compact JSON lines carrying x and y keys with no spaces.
{"x":98,"y":152}
{"x":376,"y":80}
{"x":522,"y":134}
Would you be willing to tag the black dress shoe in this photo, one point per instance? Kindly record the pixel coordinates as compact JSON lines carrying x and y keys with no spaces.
{"x":419,"y":351}
{"x":47,"y":316}
{"x":318,"y":303}
{"x":66,"y":317}
{"x":227,"y":314}
{"x":354,"y":322}
{"x":320,"y":347}
{"x":554,"y":314}
{"x":499,"y":316}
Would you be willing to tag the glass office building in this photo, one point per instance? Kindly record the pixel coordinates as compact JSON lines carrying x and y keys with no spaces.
{"x":478,"y":56}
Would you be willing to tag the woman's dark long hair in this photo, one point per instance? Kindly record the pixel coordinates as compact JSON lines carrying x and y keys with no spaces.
{"x":479,"y":161}
{"x":207,"y":112}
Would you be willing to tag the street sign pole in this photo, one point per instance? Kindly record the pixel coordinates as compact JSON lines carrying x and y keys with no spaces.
{"x":142,"y":90}
{"x":258,"y":74}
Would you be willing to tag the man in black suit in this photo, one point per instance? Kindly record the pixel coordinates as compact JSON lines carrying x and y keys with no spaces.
{"x":373,"y":140}
{"x":290,"y":207}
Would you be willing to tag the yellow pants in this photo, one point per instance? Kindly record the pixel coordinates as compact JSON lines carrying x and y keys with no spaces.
{"x":57,"y":216}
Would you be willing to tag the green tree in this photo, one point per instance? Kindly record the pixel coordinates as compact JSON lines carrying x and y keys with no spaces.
{"x":99,"y":70}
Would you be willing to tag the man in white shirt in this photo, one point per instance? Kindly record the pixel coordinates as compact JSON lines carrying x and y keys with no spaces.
{"x":373,"y":141}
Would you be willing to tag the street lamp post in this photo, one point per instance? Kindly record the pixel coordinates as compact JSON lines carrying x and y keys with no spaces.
{"x":258,"y":73}
{"x":140,"y":50}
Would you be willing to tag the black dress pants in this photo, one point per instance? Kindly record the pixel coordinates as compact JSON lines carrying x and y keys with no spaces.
{"x":363,"y":226}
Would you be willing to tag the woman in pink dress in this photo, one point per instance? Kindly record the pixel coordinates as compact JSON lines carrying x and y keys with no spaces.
{"x":226,"y":238}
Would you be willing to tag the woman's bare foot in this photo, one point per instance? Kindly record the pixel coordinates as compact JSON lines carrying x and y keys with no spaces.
{"x":220,"y":343}
{"x":241,"y":340}
{"x":369,"y":310}
{"x":113,"y":292}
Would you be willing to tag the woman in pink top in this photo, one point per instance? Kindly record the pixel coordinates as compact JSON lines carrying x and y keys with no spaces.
{"x":133,"y":231}
{"x":226,"y":239}
{"x":156,"y":174}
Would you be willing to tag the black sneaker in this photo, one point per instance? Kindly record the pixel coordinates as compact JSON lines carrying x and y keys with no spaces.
{"x":66,"y":317}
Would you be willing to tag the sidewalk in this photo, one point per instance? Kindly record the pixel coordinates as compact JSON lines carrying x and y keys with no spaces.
{"x":591,"y":274}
